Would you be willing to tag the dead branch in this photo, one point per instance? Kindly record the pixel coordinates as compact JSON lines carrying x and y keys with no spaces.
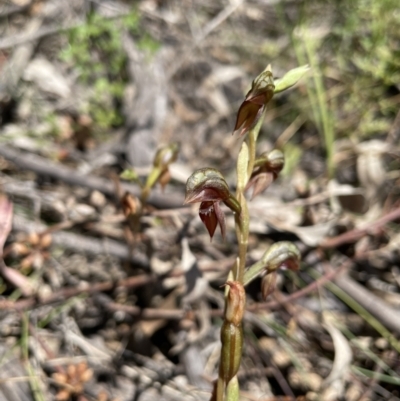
{"x":388,"y":316}
{"x":81,"y":243}
{"x":42,"y":166}
{"x":65,"y":293}
{"x":357,"y":233}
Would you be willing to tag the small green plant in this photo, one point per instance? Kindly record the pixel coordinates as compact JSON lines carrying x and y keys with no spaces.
{"x":96,"y":51}
{"x":133,"y":207}
{"x":355,"y":60}
{"x":208,"y":186}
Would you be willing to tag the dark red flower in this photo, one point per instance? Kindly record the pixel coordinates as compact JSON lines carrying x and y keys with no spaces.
{"x":261,"y":92}
{"x":208,"y":186}
{"x":266,"y":170}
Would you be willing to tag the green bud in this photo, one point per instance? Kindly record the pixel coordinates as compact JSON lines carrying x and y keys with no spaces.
{"x":290,"y":78}
{"x":165,"y":156}
{"x":231,"y":352}
{"x":235,"y":302}
{"x":281,"y":255}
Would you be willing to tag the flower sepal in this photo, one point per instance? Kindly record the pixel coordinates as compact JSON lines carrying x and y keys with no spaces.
{"x":266,"y":170}
{"x":208,"y":186}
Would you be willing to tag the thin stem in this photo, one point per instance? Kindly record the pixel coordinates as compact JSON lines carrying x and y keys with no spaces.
{"x":220,"y":389}
{"x":242,"y":233}
{"x":252,"y":150}
{"x":253,"y":271}
{"x":253,"y":135}
{"x":242,"y":219}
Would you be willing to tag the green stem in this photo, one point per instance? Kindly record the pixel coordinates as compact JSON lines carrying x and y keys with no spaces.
{"x":252,"y":151}
{"x":220,"y":389}
{"x":152,"y":178}
{"x":282,"y":253}
{"x":242,"y":233}
{"x":253,"y":271}
{"x":253,"y":135}
{"x":232,"y":390}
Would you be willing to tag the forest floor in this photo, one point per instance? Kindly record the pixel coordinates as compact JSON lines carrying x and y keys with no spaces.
{"x":101,"y":303}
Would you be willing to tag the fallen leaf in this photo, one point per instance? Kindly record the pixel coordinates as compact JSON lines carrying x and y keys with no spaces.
{"x":334,"y":384}
{"x":14,"y":277}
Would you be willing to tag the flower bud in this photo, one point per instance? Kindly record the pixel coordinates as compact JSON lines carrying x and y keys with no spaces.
{"x":160,"y":173}
{"x":232,"y":331}
{"x":261,"y":92}
{"x":231,"y":352}
{"x":266,"y":170}
{"x":131,"y":205}
{"x":283,"y":255}
{"x":165,"y":156}
{"x":268,"y":284}
{"x":235,"y":302}
{"x":206,"y":184}
{"x":290,"y":78}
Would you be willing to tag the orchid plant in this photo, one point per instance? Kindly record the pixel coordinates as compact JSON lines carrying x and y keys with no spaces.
{"x":208,"y":187}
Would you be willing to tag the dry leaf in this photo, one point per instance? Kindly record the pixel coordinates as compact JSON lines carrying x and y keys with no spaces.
{"x":334,"y":384}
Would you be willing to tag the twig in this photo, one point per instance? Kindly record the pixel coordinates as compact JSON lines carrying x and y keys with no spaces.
{"x":147,"y":313}
{"x":7,"y":11}
{"x":15,"y":65}
{"x":25,"y":37}
{"x":357,"y":233}
{"x":271,"y":305}
{"x":42,"y":166}
{"x":81,"y":243}
{"x":130,"y":282}
{"x":388,"y":316}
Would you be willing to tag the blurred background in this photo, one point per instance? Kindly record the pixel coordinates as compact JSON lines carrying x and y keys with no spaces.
{"x":100,"y":301}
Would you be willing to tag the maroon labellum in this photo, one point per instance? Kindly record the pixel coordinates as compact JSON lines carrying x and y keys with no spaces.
{"x":208,"y":186}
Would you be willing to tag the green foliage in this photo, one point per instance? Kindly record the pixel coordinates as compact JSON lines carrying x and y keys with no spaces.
{"x":353,"y":49}
{"x":375,"y":52}
{"x":148,"y":44}
{"x":293,"y":155}
{"x":130,"y":175}
{"x":95,"y":50}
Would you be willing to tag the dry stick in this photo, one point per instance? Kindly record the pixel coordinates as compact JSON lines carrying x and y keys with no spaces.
{"x":65,"y":293}
{"x":357,"y":233}
{"x":42,"y":166}
{"x":81,"y":243}
{"x":388,"y":316}
{"x":271,"y":305}
{"x":383,"y":312}
{"x":7,"y":11}
{"x":15,"y":65}
{"x":370,"y":302}
{"x":147,"y":313}
{"x":25,"y":37}
{"x":106,"y":246}
{"x":304,"y":291}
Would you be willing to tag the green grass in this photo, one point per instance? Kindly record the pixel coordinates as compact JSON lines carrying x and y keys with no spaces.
{"x":354,"y":53}
{"x":95,"y":50}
